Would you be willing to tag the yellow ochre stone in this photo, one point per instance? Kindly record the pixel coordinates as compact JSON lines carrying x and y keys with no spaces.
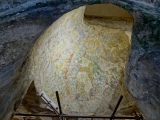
{"x":85,"y":62}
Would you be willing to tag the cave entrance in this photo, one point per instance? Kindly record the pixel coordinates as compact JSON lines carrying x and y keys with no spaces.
{"x":82,"y":55}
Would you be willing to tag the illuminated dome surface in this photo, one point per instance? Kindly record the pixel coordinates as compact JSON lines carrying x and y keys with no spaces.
{"x":84,"y":62}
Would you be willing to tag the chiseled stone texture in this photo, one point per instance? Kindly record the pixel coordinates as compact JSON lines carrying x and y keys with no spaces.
{"x":17,"y":37}
{"x":143,"y":59}
{"x":84,"y":62}
{"x":143,"y":69}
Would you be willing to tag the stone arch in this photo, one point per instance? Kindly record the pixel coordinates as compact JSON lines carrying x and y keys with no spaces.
{"x":144,"y":17}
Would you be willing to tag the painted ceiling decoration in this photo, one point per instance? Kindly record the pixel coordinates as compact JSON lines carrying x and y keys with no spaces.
{"x":23,"y":21}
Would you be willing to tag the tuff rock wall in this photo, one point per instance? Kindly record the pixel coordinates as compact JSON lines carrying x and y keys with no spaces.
{"x":22,"y":22}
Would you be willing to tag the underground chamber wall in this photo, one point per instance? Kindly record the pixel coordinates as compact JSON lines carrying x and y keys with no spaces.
{"x":84,"y":59}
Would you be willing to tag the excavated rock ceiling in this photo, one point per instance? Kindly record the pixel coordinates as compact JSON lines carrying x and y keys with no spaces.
{"x":23,"y":21}
{"x":84,"y":62}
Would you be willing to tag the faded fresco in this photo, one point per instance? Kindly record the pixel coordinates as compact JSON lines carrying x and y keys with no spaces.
{"x":84,"y":62}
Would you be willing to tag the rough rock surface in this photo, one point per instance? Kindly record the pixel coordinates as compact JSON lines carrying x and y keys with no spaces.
{"x":142,"y":73}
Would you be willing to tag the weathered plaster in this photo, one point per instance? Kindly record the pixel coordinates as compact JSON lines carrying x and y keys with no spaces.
{"x":84,"y":62}
{"x":144,"y":47}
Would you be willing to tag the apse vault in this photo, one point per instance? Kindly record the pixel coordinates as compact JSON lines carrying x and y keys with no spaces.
{"x":83,"y":56}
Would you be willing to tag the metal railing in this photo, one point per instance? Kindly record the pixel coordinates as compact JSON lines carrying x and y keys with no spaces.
{"x":62,"y":116}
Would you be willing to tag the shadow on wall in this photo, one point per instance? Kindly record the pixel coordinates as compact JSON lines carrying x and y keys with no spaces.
{"x":108,"y":11}
{"x":32,"y":103}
